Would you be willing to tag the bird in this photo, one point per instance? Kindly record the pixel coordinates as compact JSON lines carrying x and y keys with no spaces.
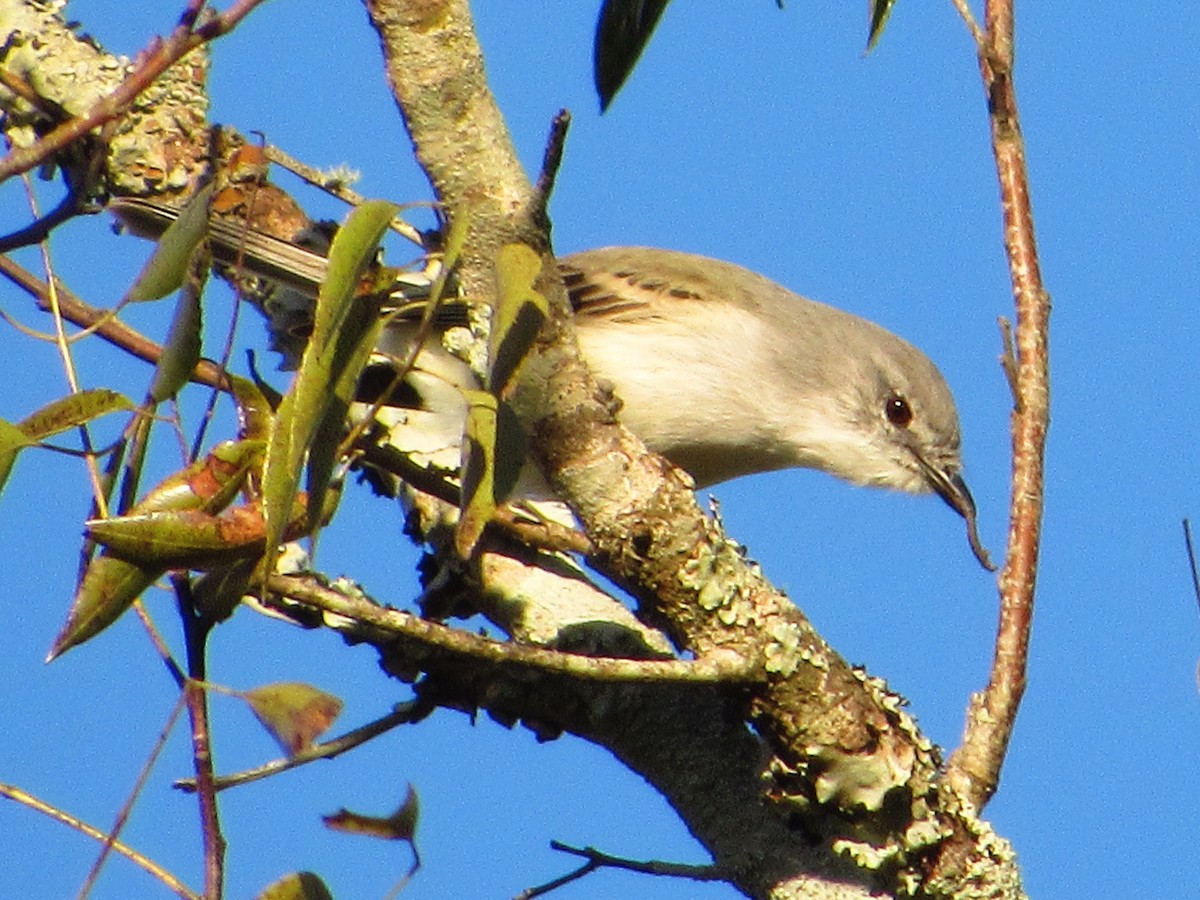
{"x":719,"y":369}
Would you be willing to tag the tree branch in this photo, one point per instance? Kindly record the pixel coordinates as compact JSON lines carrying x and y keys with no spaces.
{"x":193,"y":31}
{"x":432,"y":642}
{"x":974,"y":769}
{"x":843,"y":744}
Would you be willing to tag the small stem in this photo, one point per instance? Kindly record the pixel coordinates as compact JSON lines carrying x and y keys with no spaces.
{"x":196,"y":631}
{"x":14,"y":793}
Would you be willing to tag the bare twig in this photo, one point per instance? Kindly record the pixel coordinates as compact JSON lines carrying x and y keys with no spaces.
{"x":196,"y":631}
{"x":110,"y":839}
{"x":38,"y":230}
{"x":336,"y":185}
{"x":14,"y":793}
{"x":1191,"y":553}
{"x":968,"y":17}
{"x":595,"y":859}
{"x":1008,"y":360}
{"x":26,"y":91}
{"x":974,"y":769}
{"x":116,"y":333}
{"x":552,"y":158}
{"x":403,"y":714}
{"x":192,"y":31}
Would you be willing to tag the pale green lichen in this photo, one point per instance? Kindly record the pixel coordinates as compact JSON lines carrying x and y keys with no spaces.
{"x":718,"y":586}
{"x":868,"y":856}
{"x":925,"y":831}
{"x":816,"y":657}
{"x":783,"y":652}
{"x":712,"y":595}
{"x":860,"y":781}
{"x":728,"y":615}
{"x":896,"y":706}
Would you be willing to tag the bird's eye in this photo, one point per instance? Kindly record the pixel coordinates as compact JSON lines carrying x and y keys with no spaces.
{"x":897,"y":410}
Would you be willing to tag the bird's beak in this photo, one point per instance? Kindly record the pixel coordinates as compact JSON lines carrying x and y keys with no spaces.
{"x":952,"y":489}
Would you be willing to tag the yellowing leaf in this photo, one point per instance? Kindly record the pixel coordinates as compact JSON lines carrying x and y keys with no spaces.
{"x":210,"y":483}
{"x":194,"y":538}
{"x":254,"y":409}
{"x":110,"y":584}
{"x":72,"y":410}
{"x":12,"y":441}
{"x":295,"y":713}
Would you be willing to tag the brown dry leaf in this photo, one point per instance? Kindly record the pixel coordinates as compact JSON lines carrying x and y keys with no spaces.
{"x":399,"y":826}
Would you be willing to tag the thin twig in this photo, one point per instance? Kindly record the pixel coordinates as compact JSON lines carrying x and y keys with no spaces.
{"x":159,"y":56}
{"x":972,"y":24}
{"x":110,"y":840}
{"x":64,"y":350}
{"x":403,"y":714}
{"x":974,"y":769}
{"x":120,"y":335}
{"x":1191,"y":553}
{"x":552,"y":158}
{"x":595,"y":859}
{"x":336,"y":185}
{"x":14,"y":793}
{"x":1008,"y":360}
{"x":196,"y":631}
{"x":160,"y":645}
{"x":26,"y":91}
{"x":38,"y":230}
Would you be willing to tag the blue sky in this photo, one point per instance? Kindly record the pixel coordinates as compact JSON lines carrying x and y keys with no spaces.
{"x":766,"y":138}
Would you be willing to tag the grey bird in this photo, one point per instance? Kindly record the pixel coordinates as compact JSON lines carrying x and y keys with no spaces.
{"x":719,"y":369}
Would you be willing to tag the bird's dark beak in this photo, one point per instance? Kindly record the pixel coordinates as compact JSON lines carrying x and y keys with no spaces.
{"x":952,"y":489}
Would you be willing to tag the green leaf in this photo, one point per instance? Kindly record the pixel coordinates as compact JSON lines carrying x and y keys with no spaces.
{"x":109,"y":587}
{"x":478,"y":471}
{"x":512,"y":447}
{"x":168,"y":266}
{"x":295,"y":713}
{"x":880,"y":10}
{"x":12,"y":441}
{"x":217,"y":594}
{"x":71,"y":411}
{"x":520,"y":312}
{"x":297,"y":886}
{"x":622,"y":32}
{"x":181,"y":351}
{"x":344,"y":331}
{"x":494,"y":449}
{"x":254,"y":409}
